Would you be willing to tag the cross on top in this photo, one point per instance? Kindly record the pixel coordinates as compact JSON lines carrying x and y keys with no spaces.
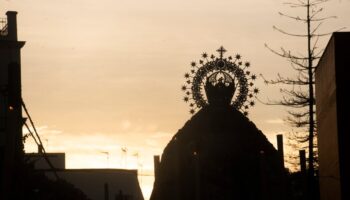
{"x":221,"y":50}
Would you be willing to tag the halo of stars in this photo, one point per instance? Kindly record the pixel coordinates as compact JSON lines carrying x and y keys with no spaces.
{"x":244,"y":79}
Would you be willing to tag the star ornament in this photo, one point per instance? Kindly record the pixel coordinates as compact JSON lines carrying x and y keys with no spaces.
{"x":186,"y":99}
{"x":256,"y":90}
{"x":231,"y":68}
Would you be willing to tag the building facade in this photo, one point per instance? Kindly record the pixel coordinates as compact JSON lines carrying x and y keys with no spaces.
{"x":332,"y":109}
{"x":11,"y":121}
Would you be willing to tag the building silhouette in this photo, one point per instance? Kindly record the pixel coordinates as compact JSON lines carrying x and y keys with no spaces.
{"x":96,"y":184}
{"x":332,"y":109}
{"x":11,"y":120}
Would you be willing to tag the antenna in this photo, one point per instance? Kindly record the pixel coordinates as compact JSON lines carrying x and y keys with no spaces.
{"x":107,"y":156}
{"x":124,"y":156}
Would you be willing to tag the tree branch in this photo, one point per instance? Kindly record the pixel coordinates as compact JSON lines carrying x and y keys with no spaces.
{"x":286,"y":33}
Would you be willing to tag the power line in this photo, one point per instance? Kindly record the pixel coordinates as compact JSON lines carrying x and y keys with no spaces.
{"x":31,"y":134}
{"x":38,"y":140}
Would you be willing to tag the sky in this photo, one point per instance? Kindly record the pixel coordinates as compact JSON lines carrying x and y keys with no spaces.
{"x":99,"y":76}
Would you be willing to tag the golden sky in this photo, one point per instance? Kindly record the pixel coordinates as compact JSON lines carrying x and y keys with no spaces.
{"x":102,"y":75}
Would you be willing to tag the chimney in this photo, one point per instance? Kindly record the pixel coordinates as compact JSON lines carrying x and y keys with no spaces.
{"x":280,"y":148}
{"x":12,"y":25}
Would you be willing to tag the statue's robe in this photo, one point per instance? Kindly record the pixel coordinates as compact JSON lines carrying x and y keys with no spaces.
{"x":219,"y":154}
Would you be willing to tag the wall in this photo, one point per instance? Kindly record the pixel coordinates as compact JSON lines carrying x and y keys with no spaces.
{"x":333,"y":118}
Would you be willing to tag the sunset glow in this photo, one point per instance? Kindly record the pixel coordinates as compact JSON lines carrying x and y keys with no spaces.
{"x":102,"y":79}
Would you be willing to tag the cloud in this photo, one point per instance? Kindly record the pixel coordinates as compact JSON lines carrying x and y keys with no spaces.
{"x":274,"y":121}
{"x":162,"y":135}
{"x":125,"y":124}
{"x":144,"y":140}
{"x":43,"y":131}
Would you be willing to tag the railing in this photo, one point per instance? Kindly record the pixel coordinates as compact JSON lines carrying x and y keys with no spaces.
{"x":3,"y":27}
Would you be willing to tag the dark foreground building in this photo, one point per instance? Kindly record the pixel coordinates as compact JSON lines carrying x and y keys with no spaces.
{"x":219,"y":153}
{"x":332,"y":108}
{"x":11,"y":120}
{"x":96,"y":184}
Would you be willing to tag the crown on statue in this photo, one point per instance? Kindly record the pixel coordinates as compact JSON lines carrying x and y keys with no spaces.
{"x":219,"y":89}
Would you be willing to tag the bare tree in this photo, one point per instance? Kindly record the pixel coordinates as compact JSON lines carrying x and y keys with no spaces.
{"x":298,"y":91}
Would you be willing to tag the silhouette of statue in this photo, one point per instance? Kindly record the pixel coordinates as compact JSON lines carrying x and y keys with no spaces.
{"x":219,"y":90}
{"x":219,"y":153}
